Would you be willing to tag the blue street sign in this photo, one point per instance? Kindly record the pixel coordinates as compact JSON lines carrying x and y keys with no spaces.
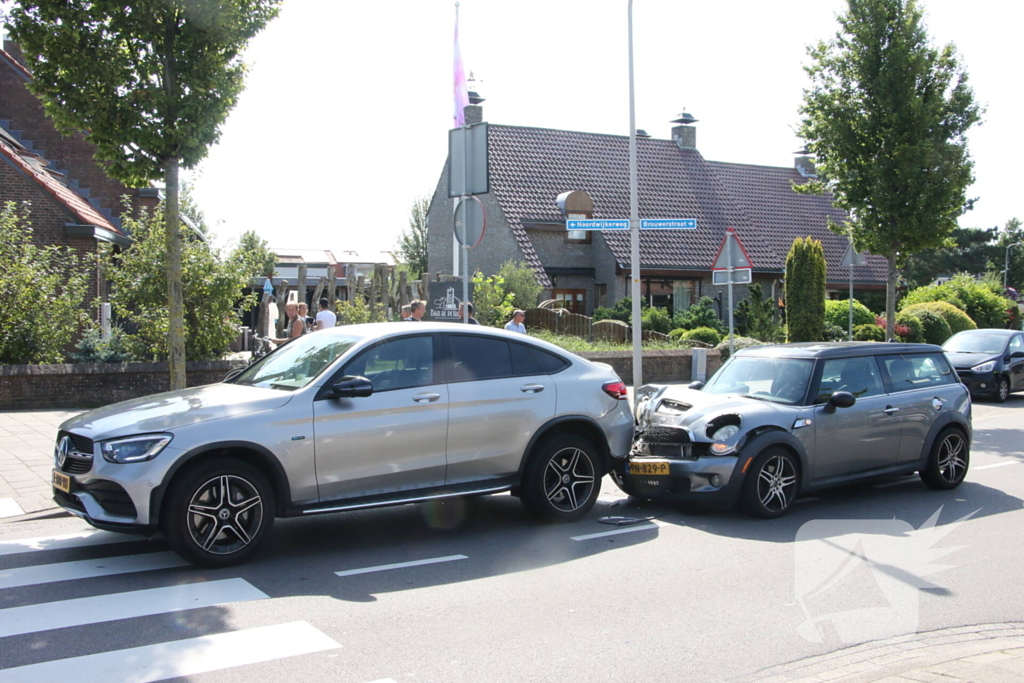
{"x":596,"y":224}
{"x":668,"y":223}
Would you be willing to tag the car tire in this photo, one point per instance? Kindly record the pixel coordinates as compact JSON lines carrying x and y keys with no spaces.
{"x":1002,"y":390}
{"x":772,"y":483}
{"x":219,"y":513}
{"x":948,"y":462}
{"x":562,"y":479}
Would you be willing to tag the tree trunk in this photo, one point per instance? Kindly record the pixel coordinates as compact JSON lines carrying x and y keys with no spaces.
{"x":890,"y":299}
{"x":175,"y":292}
{"x":332,"y":288}
{"x":302,"y":287}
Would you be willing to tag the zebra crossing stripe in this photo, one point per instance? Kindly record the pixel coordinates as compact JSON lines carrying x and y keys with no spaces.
{"x":86,"y":569}
{"x":189,"y":657}
{"x":65,"y":613}
{"x":64,"y":541}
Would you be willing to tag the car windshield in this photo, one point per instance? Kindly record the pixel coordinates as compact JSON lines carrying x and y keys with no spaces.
{"x":780,"y":380}
{"x":297,"y":363}
{"x":989,"y":344}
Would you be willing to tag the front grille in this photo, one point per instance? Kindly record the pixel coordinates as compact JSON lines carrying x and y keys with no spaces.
{"x":82,"y":444}
{"x":665,"y":435}
{"x":68,"y":499}
{"x":75,"y":464}
{"x":111,"y":497}
{"x":79,"y":460}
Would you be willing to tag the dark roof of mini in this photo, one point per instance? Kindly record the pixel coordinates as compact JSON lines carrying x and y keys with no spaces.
{"x":836,"y":349}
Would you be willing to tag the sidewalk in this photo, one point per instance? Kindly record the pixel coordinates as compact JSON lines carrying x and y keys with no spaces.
{"x":26,"y":459}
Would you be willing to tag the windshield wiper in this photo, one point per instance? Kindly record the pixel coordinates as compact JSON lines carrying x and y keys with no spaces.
{"x":757,"y":398}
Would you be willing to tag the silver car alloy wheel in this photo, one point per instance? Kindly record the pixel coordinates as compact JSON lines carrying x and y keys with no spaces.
{"x":569,"y":479}
{"x":776,"y":481}
{"x":225,"y":514}
{"x":952,"y":466}
{"x":1004,"y":389}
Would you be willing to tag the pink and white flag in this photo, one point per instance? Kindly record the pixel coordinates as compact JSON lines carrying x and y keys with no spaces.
{"x":461,"y":91}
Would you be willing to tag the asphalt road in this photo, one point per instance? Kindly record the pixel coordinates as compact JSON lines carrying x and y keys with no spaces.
{"x":691,"y":595}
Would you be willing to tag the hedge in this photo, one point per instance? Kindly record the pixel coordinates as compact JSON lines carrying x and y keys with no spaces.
{"x":957,"y":320}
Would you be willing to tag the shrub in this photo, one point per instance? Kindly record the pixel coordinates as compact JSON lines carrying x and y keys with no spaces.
{"x":870,"y":332}
{"x":976,"y":299}
{"x":805,"y":290}
{"x":702,"y":334}
{"x":656,"y":320}
{"x":738,"y":343}
{"x":957,"y":320}
{"x":521,"y":283}
{"x":912,"y":329}
{"x":838,"y":313}
{"x":934,"y":330}
{"x":622,"y":311}
{"x":755,"y":317}
{"x":492,"y":304}
{"x":92,"y":348}
{"x":834,"y":333}
{"x":700,"y":314}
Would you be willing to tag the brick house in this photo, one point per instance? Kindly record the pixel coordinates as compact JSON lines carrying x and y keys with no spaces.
{"x":531,"y":167}
{"x":73,"y":202}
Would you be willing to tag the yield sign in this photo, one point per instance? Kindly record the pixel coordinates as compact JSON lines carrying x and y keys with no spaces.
{"x":731,"y":254}
{"x":852,"y":258}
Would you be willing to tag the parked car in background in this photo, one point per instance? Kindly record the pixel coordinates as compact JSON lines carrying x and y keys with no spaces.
{"x":990,"y":362}
{"x":348,"y":418}
{"x":777,"y":421}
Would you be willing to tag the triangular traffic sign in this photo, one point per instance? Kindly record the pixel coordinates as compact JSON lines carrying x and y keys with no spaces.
{"x":733,"y":257}
{"x":852,"y":258}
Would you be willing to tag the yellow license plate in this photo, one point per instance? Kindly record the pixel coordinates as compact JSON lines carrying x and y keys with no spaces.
{"x":61,"y":481}
{"x":648,"y":468}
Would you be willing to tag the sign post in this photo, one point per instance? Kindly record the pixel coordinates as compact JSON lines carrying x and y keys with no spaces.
{"x":732,"y":260}
{"x":468,"y":175}
{"x":851,"y":258}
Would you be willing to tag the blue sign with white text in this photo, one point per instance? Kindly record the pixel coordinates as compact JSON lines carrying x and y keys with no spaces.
{"x":596,"y":224}
{"x":668,"y":224}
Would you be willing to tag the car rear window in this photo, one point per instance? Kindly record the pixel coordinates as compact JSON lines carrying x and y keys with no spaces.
{"x":549,"y":362}
{"x":523,"y":362}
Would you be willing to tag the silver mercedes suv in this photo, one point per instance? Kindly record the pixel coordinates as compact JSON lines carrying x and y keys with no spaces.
{"x":352,"y":417}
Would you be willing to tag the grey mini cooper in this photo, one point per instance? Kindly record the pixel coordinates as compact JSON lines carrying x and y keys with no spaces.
{"x":777,"y":421}
{"x":348,"y":418}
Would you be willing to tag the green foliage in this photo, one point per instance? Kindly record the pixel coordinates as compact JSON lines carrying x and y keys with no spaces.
{"x":492,"y":304}
{"x":978,"y":301}
{"x":968,"y":250}
{"x":870,"y":332}
{"x":957,"y":320}
{"x":755,"y":317}
{"x":1012,"y":233}
{"x":934,"y":330}
{"x":702,"y":334}
{"x":212,"y":288}
{"x":521,"y":283}
{"x":700,"y":314}
{"x":92,"y":348}
{"x":577,"y":344}
{"x":738,"y":343}
{"x":656,"y":320}
{"x":834,"y":333}
{"x":909,"y":328}
{"x":838,"y":313}
{"x":623,"y":311}
{"x":42,"y":289}
{"x":412,"y":243}
{"x":358,"y":311}
{"x":805,"y":290}
{"x":256,"y":258}
{"x":873,"y":300}
{"x":886,"y":116}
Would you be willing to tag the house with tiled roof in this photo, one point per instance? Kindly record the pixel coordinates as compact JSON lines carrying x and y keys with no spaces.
{"x":531,"y":167}
{"x":72,"y":202}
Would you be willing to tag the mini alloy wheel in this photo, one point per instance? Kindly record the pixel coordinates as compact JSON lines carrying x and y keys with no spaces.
{"x":949,"y":460}
{"x":562,"y":480}
{"x":771,"y":484}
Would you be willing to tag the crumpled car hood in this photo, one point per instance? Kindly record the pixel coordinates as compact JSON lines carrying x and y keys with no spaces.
{"x":174,"y":409}
{"x":705,"y":407}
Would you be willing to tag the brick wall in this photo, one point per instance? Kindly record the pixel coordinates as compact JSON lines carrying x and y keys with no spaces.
{"x":660,"y":365}
{"x":88,"y":385}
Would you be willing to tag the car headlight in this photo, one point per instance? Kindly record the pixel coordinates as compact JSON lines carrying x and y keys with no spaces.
{"x":135,"y":448}
{"x":720,"y":435}
{"x":985,"y":367}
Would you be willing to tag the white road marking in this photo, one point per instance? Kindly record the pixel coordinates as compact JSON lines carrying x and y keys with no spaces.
{"x":79,"y":540}
{"x":189,"y":657}
{"x":616,"y":532}
{"x":898,"y":482}
{"x":401,"y":565}
{"x":85,"y":569}
{"x":65,"y":613}
{"x":998,"y":464}
{"x":10,"y":508}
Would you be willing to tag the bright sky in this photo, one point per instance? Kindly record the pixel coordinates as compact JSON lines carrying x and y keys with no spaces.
{"x":344,"y":119}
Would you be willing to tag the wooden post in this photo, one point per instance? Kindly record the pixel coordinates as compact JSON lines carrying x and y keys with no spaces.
{"x":282,"y":300}
{"x":318,"y":294}
{"x":332,"y":287}
{"x":403,"y":285}
{"x":301,"y":286}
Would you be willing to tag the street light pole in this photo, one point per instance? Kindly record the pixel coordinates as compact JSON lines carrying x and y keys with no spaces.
{"x":634,"y":225}
{"x":1006,"y":261}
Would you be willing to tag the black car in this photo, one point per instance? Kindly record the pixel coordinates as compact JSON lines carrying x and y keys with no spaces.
{"x":989,"y":362}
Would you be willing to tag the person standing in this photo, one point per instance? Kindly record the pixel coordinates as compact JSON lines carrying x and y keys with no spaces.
{"x":325,"y":319}
{"x":296,"y":326}
{"x":469,"y":307}
{"x":417,"y":309}
{"x":304,"y":316}
{"x":516,"y":323}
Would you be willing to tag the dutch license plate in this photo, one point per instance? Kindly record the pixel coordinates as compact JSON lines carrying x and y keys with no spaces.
{"x":647,"y":468}
{"x":61,"y":481}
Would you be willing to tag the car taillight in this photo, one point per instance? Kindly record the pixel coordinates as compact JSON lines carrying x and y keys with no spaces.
{"x":616,"y":390}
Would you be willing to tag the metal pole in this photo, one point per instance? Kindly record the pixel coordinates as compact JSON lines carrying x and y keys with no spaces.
{"x":728,"y":256}
{"x":634,"y":226}
{"x":851,"y":297}
{"x":465,"y":284}
{"x":465,"y":223}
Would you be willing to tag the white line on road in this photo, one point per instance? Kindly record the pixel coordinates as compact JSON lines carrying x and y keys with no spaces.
{"x":10,"y":508}
{"x":66,"y":613}
{"x":189,"y":657}
{"x":998,"y":464}
{"x":401,"y":565}
{"x":79,"y":540}
{"x":86,"y":569}
{"x":616,"y":532}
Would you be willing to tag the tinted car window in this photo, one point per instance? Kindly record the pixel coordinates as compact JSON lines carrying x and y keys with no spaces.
{"x":859,"y":376}
{"x":396,"y":364}
{"x":475,"y":358}
{"x":523,"y":362}
{"x":549,"y":362}
{"x":917,"y":371}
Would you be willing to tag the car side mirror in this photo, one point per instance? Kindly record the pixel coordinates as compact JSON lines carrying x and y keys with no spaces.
{"x":840,"y":399}
{"x":696,"y":386}
{"x":352,"y":386}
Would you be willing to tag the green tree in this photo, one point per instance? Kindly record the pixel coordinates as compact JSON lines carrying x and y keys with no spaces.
{"x":837,"y":312}
{"x":491,"y":303}
{"x":886,"y":116}
{"x":966,"y":250}
{"x":150,"y":82}
{"x":755,"y":316}
{"x":42,"y":288}
{"x":211,"y":293}
{"x":256,"y":258}
{"x":1012,"y":233}
{"x":521,"y":283}
{"x":805,"y":290}
{"x":978,"y":300}
{"x":700,"y":314}
{"x":412,"y":243}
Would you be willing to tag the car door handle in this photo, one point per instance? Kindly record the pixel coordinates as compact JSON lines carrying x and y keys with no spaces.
{"x":889,"y":410}
{"x":532,"y":388}
{"x":426,"y":398}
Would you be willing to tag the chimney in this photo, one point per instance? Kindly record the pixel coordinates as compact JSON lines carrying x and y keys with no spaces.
{"x":804,"y":163}
{"x":684,"y":134}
